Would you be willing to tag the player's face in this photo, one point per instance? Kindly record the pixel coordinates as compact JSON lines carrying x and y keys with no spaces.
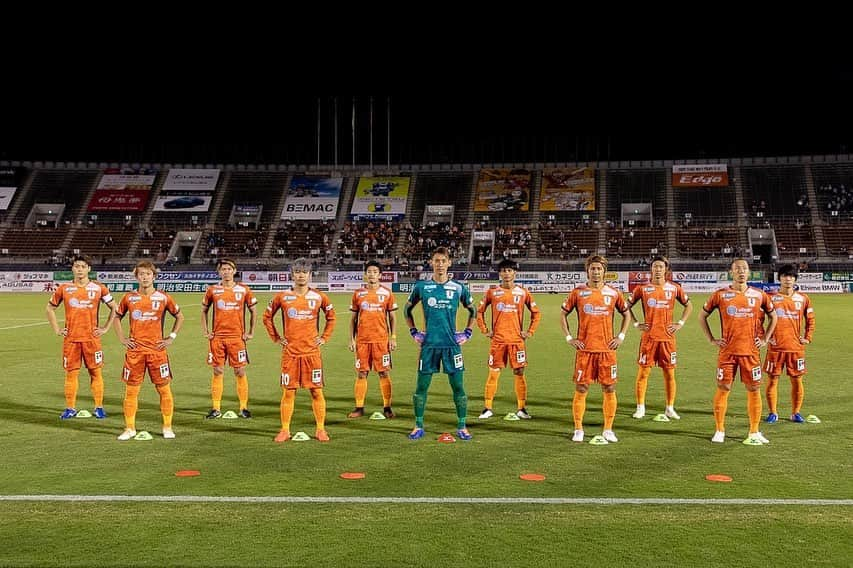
{"x":787,"y":281}
{"x":145,"y":277}
{"x":301,"y":277}
{"x":658,"y":271}
{"x":595,"y":272}
{"x":372,"y":275}
{"x":507,"y":275}
{"x":80,"y":270}
{"x":440,"y":264}
{"x":740,"y":271}
{"x":226,"y":272}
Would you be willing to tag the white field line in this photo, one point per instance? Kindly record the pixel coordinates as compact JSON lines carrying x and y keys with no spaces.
{"x":22,"y":325}
{"x":431,"y":500}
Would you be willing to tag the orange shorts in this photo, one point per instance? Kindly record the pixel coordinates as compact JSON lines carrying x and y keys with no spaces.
{"x":595,"y":367}
{"x":155,"y":362}
{"x":372,"y":357}
{"x":660,"y":353}
{"x":302,"y":371}
{"x":794,"y":363}
{"x":75,"y":353}
{"x":501,"y":354}
{"x":749,"y":365}
{"x":231,"y":349}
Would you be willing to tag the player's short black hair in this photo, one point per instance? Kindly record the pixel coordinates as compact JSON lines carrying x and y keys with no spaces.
{"x":788,"y":270}
{"x":370,"y":263}
{"x":508,"y":263}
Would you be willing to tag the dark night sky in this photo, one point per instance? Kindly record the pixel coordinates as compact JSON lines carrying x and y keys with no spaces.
{"x":621,"y":118}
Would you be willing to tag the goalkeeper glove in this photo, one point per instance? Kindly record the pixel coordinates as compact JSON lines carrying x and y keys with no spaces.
{"x":418,"y":336}
{"x":463,"y":336}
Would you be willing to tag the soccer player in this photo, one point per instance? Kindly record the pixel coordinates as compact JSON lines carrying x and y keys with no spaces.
{"x":440,"y":342}
{"x":741,"y":330}
{"x":146,"y":346}
{"x":595,"y":360}
{"x":657,"y":344}
{"x":787,"y":347}
{"x":372,"y":337}
{"x":301,"y":364}
{"x":229,"y":301}
{"x":81,"y":335}
{"x":508,"y":302}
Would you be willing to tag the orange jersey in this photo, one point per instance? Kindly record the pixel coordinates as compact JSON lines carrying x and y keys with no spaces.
{"x":301,"y":318}
{"x":508,"y":313}
{"x":658,"y":307}
{"x":229,"y":308}
{"x":372,"y":307}
{"x":146,"y":317}
{"x":790,"y":312}
{"x":81,"y":308}
{"x":595,"y":309}
{"x":741,"y":318}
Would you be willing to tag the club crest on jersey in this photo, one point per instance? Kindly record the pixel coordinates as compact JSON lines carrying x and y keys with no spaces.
{"x":652,"y":302}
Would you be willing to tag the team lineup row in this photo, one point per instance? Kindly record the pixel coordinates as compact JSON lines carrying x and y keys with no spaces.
{"x":743,"y":312}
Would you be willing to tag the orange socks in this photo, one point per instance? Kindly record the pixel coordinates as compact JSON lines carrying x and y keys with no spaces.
{"x":130,"y":404}
{"x":288,"y":400}
{"x":578,"y":409}
{"x":242,"y":391}
{"x":608,"y":406}
{"x":642,"y":383}
{"x":798,"y":393}
{"x":771,"y":392}
{"x":669,"y":386}
{"x":318,"y":405}
{"x":521,"y":390}
{"x":167,"y":404}
{"x":360,"y":391}
{"x":753,"y":409}
{"x":721,"y":404}
{"x":96,"y":380}
{"x":385,"y":387}
{"x":71,"y":388}
{"x":491,"y":387}
{"x":216,"y":388}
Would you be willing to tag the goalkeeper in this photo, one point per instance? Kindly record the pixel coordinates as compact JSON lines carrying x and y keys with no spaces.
{"x":439,"y":341}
